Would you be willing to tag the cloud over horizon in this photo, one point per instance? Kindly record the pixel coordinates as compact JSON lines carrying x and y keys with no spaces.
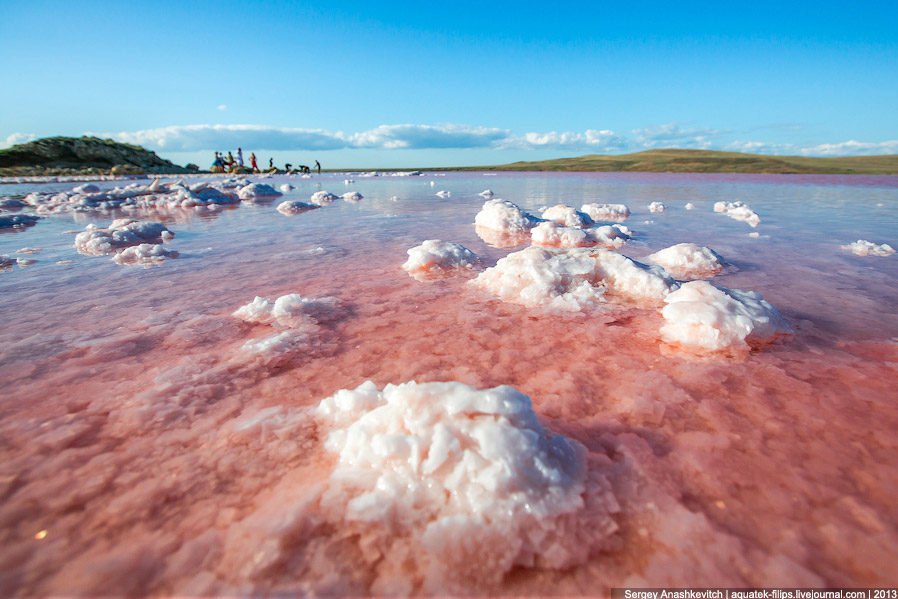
{"x":195,"y":138}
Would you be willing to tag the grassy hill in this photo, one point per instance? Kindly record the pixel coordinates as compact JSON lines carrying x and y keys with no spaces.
{"x":708,"y":161}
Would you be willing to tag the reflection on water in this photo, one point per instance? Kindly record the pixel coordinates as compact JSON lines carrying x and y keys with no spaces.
{"x":151,"y":442}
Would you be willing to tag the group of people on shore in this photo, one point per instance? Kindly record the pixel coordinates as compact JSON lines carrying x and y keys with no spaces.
{"x":230,"y":164}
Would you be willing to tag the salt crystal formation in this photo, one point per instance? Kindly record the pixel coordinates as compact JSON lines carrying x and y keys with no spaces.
{"x":573,"y":279}
{"x":435,"y":257}
{"x":17,"y":221}
{"x":133,"y":197}
{"x":293,"y":207}
{"x":121,"y":234}
{"x":689,"y":206}
{"x":294,"y":317}
{"x":567,"y":216}
{"x":702,"y":317}
{"x":322,"y":198}
{"x":738,"y":211}
{"x":352,"y":196}
{"x":466,"y":484}
{"x":486,"y":193}
{"x":657,"y":207}
{"x":502,"y":215}
{"x":255,"y":191}
{"x":551,"y":234}
{"x":688,"y":261}
{"x":286,"y":188}
{"x":145,"y":254}
{"x":444,"y":194}
{"x":605,"y":212}
{"x":862,"y":247}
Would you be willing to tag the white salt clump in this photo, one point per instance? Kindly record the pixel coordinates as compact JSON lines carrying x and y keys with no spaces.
{"x":25,"y":262}
{"x":573,"y":279}
{"x":394,"y":198}
{"x":467,"y":482}
{"x":444,"y":194}
{"x":862,"y":247}
{"x":738,"y":211}
{"x":145,"y":254}
{"x":439,"y":256}
{"x":258,"y":190}
{"x":122,"y":233}
{"x":352,"y":196}
{"x":754,"y":234}
{"x":28,"y":251}
{"x":604,"y":212}
{"x":87,"y":188}
{"x":700,"y":316}
{"x":321,"y":198}
{"x":610,"y":236}
{"x":286,"y":311}
{"x":567,"y":216}
{"x":17,"y":221}
{"x":294,"y":207}
{"x":486,"y":193}
{"x":657,"y":207}
{"x":286,"y":187}
{"x":502,"y":215}
{"x":551,"y":234}
{"x":689,"y":206}
{"x":688,"y":261}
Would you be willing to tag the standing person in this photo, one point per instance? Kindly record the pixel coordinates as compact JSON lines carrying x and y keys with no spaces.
{"x":318,"y":166}
{"x":270,"y":163}
{"x":240,"y":157}
{"x":252,"y":161}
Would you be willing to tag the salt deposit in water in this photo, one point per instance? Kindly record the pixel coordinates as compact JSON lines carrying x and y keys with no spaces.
{"x":444,"y":194}
{"x":145,"y":254}
{"x":352,"y":196}
{"x":286,"y":188}
{"x":738,"y":211}
{"x":122,"y":233}
{"x":28,"y":251}
{"x":657,"y":207}
{"x":438,"y":258}
{"x":862,"y":247}
{"x":688,"y":261}
{"x":606,"y":212}
{"x":323,"y":198}
{"x":551,"y":234}
{"x":486,"y":193}
{"x":256,"y":191}
{"x":702,"y":317}
{"x":294,"y":207}
{"x":689,"y":206}
{"x":504,"y":216}
{"x":567,"y":216}
{"x":575,"y":279}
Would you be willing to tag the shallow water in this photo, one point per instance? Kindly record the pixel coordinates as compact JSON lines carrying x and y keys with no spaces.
{"x":126,"y":465}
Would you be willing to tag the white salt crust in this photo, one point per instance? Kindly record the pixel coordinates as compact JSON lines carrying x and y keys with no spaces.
{"x":145,"y":254}
{"x":504,"y":216}
{"x":862,"y":247}
{"x":436,"y":256}
{"x":702,"y":317}
{"x":352,"y":196}
{"x":551,"y":234}
{"x":322,"y":198}
{"x":286,"y":187}
{"x":294,"y":318}
{"x":689,"y":206}
{"x":738,"y":211}
{"x":293,"y":207}
{"x":567,"y":216}
{"x":468,"y":480}
{"x":572,"y":279}
{"x":657,"y":207}
{"x":444,"y":194}
{"x":121,"y":234}
{"x":688,"y":261}
{"x":486,"y":193}
{"x":606,"y":212}
{"x":258,"y":190}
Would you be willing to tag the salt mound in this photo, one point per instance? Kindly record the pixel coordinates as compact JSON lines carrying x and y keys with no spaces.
{"x":435,"y":256}
{"x":294,"y":207}
{"x":689,"y":206}
{"x":145,"y":254}
{"x":657,"y":207}
{"x":486,"y":193}
{"x":352,"y":196}
{"x":862,"y":247}
{"x":573,"y":279}
{"x":286,"y":187}
{"x":466,"y":483}
{"x":17,"y":221}
{"x":567,"y":216}
{"x":600,"y":212}
{"x":703,"y":317}
{"x":502,"y":215}
{"x":122,"y":233}
{"x":321,"y":198}
{"x":610,"y":236}
{"x":444,"y":194}
{"x":294,"y":318}
{"x":552,"y":234}
{"x":688,"y":261}
{"x":258,"y":190}
{"x":738,"y":211}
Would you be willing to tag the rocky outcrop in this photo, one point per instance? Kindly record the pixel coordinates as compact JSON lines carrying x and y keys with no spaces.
{"x":76,"y":155}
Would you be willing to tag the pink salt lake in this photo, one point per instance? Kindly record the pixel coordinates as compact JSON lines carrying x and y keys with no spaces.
{"x":122,"y":470}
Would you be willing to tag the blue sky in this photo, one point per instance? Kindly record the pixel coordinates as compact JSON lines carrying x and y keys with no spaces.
{"x":405,"y":84}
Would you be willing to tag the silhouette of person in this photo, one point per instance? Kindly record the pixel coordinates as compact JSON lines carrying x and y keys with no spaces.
{"x":318,"y":166}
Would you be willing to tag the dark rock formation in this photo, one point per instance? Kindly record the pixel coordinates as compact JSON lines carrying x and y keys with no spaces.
{"x":74,"y":155}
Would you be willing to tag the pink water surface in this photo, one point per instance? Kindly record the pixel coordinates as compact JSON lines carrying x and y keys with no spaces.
{"x":121,"y":470}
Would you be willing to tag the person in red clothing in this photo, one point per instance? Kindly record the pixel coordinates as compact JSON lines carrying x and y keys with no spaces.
{"x":252,"y":160}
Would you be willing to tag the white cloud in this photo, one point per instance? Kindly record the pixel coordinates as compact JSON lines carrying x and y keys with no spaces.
{"x":17,"y":138}
{"x":845,"y":148}
{"x":222,"y":106}
{"x":670,"y":135}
